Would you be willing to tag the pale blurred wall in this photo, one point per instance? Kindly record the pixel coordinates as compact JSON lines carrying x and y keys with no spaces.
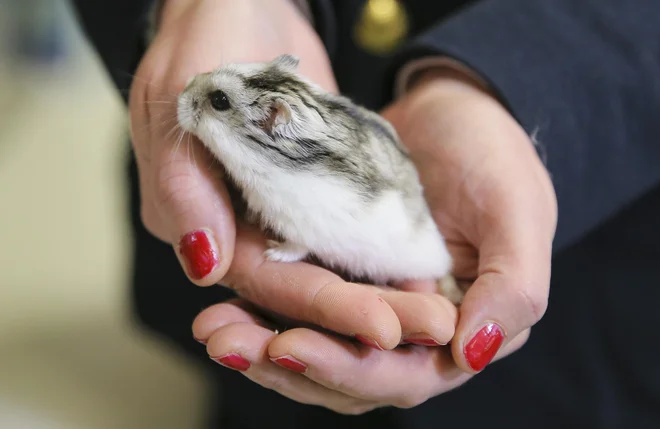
{"x":69,"y":357}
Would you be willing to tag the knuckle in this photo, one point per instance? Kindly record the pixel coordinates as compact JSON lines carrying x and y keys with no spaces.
{"x":317,"y":312}
{"x":172,"y":190}
{"x":535,"y":300}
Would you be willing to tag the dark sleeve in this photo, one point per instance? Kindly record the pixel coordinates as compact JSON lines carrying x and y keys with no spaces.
{"x":116,"y":29}
{"x":585,"y":75}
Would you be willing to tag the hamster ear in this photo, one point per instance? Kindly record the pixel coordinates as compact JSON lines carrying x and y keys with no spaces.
{"x":280,"y":115}
{"x":287,"y":62}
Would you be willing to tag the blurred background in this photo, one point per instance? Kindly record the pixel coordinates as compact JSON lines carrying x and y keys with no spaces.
{"x":69,"y":354}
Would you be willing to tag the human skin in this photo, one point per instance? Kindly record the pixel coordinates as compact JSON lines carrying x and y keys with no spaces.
{"x":489,"y":193}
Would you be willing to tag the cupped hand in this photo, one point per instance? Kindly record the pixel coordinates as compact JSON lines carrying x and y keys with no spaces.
{"x":185,"y":202}
{"x":494,"y":202}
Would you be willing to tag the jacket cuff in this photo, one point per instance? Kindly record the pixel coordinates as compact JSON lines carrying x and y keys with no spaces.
{"x":409,"y":73}
{"x":496,"y":50}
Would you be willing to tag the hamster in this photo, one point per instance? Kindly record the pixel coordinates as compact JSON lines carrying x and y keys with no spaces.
{"x":330,"y":178}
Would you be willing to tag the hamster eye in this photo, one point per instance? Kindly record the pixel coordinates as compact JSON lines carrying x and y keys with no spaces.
{"x":219,"y":100}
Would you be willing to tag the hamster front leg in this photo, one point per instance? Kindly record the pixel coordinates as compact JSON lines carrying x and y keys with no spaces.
{"x":285,"y":252}
{"x":449,"y":288}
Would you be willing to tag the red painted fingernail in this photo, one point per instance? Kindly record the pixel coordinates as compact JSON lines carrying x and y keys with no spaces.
{"x":200,"y":341}
{"x":483,"y":346}
{"x":290,"y":363}
{"x":368,"y":342}
{"x":198,"y":253}
{"x":233,"y":361}
{"x":422,"y":340}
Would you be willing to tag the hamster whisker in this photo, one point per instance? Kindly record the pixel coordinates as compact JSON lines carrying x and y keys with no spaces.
{"x":175,"y":148}
{"x":170,"y":133}
{"x":150,"y":124}
{"x":190,"y":166}
{"x":191,"y":145}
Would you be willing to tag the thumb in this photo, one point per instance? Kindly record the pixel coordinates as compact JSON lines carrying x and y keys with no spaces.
{"x":194,"y":208}
{"x":185,"y":202}
{"x":509,"y":295}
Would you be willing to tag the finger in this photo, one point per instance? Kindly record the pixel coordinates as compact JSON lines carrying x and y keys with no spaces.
{"x":510,"y":293}
{"x":187,"y":193}
{"x":307,"y":293}
{"x":426,"y":319}
{"x":243,"y":347}
{"x":427,"y":286}
{"x":140,"y":135}
{"x":195,"y":208}
{"x":231,"y":311}
{"x":404,"y":377}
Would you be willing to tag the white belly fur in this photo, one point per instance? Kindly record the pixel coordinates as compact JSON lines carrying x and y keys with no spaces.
{"x":375,"y":239}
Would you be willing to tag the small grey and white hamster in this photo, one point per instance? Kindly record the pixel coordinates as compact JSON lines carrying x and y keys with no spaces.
{"x":330,"y":178}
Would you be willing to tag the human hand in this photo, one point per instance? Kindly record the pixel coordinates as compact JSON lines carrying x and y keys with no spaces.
{"x":181,"y":193}
{"x":184,"y":200}
{"x":493,"y":201}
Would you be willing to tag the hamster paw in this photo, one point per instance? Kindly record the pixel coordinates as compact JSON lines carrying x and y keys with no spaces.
{"x":285,"y":252}
{"x":448,"y":288}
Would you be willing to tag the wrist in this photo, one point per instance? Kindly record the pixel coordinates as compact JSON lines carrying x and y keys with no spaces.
{"x":437,"y":68}
{"x":165,"y":10}
{"x":450,"y":78}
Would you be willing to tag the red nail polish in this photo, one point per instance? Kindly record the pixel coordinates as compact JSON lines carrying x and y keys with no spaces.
{"x":198,"y":253}
{"x":423,"y":341}
{"x":368,"y":342}
{"x":233,"y":361}
{"x":290,"y":363}
{"x":483,"y":346}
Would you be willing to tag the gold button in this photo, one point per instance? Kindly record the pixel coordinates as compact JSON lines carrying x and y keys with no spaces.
{"x":382,"y":26}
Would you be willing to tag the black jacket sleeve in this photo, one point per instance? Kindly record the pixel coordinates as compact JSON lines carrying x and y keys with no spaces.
{"x":586,"y":75}
{"x":116,"y":29}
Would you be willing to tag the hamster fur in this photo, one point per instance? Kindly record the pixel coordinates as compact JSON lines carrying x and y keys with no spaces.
{"x":330,"y":178}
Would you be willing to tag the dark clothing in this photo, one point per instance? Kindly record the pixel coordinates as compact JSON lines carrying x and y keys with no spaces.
{"x":586,"y":75}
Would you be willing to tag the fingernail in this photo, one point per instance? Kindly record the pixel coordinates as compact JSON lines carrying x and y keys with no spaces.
{"x":200,"y":341}
{"x":422,"y":340}
{"x":199,"y":254}
{"x":233,"y":361}
{"x":290,"y":363}
{"x":483,"y":346}
{"x":368,"y":342}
